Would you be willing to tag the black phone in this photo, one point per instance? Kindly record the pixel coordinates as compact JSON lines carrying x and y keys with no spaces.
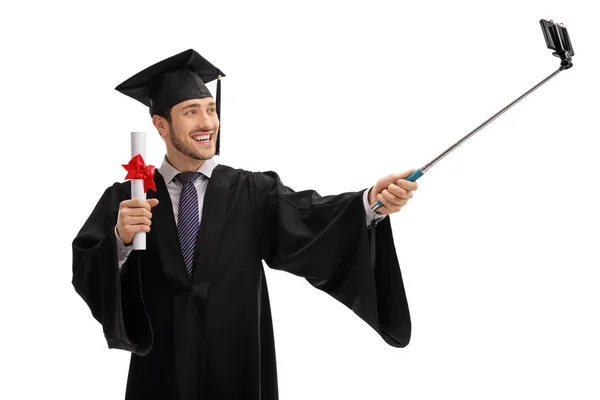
{"x":557,"y":39}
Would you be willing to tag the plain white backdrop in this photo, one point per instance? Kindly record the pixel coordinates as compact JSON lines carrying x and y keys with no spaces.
{"x":498,"y":248}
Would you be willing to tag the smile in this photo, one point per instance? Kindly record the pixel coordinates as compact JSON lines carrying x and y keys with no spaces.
{"x":202,"y":137}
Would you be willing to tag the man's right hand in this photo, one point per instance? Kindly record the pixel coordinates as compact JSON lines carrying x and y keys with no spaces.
{"x":134,"y":216}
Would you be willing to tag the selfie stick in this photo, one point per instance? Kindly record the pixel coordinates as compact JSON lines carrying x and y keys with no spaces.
{"x":557,"y":39}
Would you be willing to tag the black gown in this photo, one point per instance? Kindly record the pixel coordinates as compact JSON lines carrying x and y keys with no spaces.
{"x":211,"y":337}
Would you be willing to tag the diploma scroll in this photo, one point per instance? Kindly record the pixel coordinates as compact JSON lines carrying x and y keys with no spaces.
{"x":138,"y":146}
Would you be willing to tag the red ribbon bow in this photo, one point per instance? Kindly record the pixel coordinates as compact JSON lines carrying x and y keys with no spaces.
{"x":137,"y":169}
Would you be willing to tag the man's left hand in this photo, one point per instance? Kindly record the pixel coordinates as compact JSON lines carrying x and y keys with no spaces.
{"x":393,"y":191}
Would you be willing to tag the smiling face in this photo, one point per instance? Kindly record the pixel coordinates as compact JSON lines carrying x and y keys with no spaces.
{"x":191,"y":136}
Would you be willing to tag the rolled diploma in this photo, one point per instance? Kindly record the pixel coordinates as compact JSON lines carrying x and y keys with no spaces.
{"x":138,"y":146}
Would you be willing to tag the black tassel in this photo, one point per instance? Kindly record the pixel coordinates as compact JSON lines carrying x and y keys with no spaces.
{"x":218,"y":103}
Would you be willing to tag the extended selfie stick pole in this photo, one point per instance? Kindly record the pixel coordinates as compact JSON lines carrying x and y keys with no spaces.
{"x":557,"y":39}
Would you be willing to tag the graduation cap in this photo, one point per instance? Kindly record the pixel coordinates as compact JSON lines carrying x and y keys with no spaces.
{"x":169,"y":82}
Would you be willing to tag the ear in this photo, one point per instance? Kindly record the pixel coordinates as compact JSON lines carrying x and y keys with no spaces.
{"x":161,"y":125}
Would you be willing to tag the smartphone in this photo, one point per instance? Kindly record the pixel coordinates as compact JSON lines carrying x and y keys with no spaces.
{"x":557,"y":39}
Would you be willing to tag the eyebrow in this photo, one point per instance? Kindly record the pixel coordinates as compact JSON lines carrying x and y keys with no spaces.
{"x":194,"y":105}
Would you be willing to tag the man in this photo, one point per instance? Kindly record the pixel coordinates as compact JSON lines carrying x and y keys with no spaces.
{"x":193,"y":308}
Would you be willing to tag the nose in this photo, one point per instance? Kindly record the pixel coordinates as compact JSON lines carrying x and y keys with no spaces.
{"x":206,"y":122}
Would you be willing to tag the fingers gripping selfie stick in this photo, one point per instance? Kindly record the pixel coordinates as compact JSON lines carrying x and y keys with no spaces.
{"x":557,"y":39}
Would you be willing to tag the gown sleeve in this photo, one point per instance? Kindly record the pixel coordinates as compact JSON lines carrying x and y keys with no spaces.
{"x":113,"y":296}
{"x":325,"y":240}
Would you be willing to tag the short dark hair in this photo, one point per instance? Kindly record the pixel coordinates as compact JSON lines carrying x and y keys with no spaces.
{"x":166,"y":115}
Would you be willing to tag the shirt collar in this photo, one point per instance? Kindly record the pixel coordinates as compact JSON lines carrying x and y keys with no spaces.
{"x":168,"y":171}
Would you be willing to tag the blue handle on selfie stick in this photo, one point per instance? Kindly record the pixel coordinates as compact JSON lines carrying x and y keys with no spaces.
{"x":415,"y":175}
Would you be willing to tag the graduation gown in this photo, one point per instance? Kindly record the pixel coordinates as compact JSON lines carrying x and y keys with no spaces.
{"x":211,"y":337}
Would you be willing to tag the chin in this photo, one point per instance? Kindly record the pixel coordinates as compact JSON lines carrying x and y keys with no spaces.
{"x":207,"y":153}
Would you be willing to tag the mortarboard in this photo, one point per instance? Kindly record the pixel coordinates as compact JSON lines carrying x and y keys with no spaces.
{"x":175,"y":79}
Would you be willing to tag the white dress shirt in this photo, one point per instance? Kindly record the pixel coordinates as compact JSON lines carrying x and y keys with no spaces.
{"x":174,"y":188}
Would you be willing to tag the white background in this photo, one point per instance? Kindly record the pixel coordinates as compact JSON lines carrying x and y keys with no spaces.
{"x":498,"y":248}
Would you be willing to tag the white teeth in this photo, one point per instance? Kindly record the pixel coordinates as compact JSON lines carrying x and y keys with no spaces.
{"x":200,"y":138}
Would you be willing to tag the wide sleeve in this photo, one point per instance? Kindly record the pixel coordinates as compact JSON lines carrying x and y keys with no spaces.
{"x":114,"y":297}
{"x":325,"y":240}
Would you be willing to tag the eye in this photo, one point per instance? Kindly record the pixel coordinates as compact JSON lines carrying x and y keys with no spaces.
{"x":191,"y":112}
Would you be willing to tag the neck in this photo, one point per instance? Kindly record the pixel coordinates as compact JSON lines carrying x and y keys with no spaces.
{"x":184,"y":164}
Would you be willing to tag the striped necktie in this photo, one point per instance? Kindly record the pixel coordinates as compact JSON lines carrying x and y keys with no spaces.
{"x":188,"y":220}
